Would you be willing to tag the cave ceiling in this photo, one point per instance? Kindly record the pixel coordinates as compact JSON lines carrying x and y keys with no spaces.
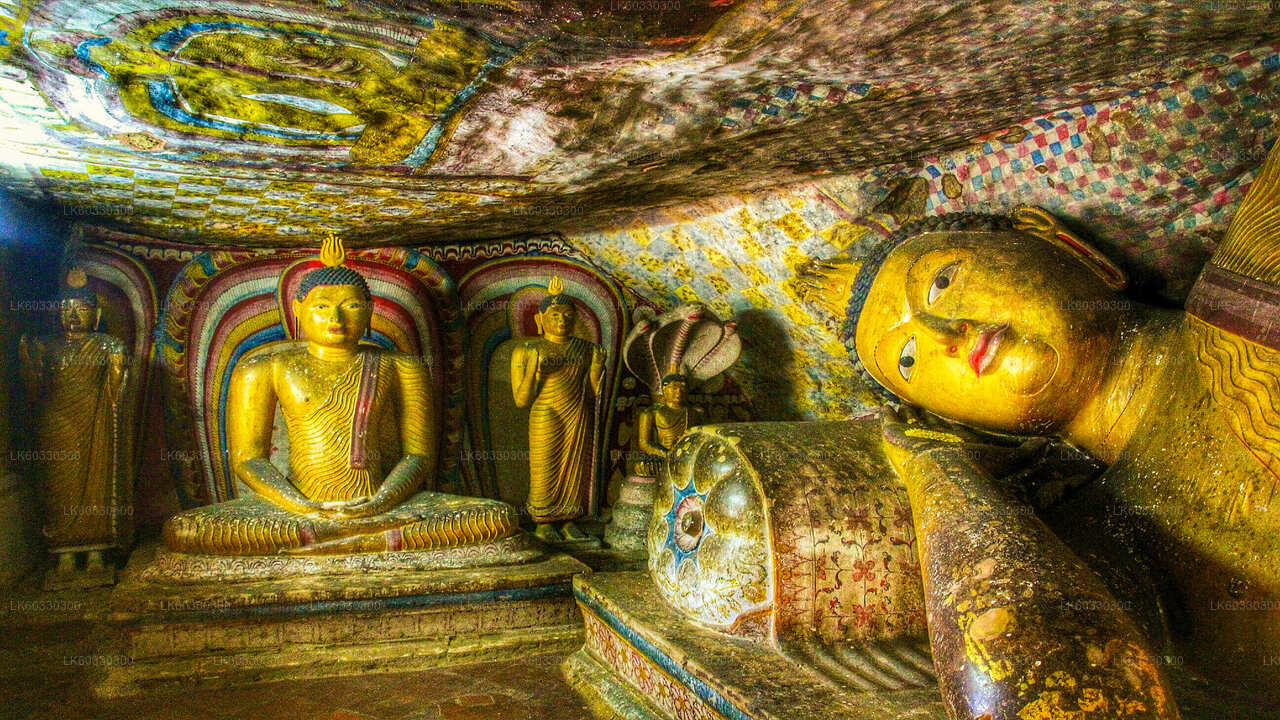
{"x":265,"y":123}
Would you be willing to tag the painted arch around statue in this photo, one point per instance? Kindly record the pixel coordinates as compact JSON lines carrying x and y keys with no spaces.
{"x":499,"y":299}
{"x":224,"y":306}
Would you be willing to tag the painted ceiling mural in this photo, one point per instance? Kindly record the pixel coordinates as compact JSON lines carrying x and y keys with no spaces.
{"x":394,"y":122}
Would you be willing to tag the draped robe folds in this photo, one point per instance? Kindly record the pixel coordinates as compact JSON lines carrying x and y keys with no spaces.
{"x":340,"y":449}
{"x":561,"y":425}
{"x":76,"y":435}
{"x":330,"y":448}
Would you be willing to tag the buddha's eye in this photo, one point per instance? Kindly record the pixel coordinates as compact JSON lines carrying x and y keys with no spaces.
{"x":907,"y":359}
{"x":942,"y":281}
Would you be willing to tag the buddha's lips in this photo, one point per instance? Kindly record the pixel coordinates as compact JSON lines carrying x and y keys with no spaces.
{"x":984,"y":350}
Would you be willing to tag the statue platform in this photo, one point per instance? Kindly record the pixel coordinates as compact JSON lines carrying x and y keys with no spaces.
{"x":644,"y":661}
{"x":199,"y":621}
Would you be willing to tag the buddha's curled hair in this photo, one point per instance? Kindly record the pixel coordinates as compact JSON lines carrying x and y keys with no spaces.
{"x":335,"y":275}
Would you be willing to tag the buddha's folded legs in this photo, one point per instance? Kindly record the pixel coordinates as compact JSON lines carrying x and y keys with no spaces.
{"x":427,"y":521}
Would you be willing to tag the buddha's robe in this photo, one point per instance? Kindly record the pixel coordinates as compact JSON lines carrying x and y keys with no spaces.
{"x":77,"y":437}
{"x":342,"y":448}
{"x":561,"y":432}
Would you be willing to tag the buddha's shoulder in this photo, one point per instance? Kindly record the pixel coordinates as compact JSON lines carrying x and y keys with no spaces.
{"x":266,"y":361}
{"x":401,"y":361}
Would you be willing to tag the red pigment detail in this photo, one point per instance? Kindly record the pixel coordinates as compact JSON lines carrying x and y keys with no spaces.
{"x":975,"y":357}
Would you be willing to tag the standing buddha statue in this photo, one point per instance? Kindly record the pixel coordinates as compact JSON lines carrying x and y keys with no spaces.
{"x":557,"y":376}
{"x":362,"y":442}
{"x":76,"y":382}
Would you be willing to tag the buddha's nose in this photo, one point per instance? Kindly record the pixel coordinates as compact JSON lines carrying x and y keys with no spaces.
{"x":948,"y":332}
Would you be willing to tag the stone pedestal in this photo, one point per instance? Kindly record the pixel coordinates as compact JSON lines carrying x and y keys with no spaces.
{"x":286,"y":618}
{"x":630,"y":522}
{"x":643,"y":661}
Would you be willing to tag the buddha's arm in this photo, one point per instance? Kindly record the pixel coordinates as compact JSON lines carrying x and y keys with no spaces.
{"x":1018,"y":624}
{"x":525,"y":366}
{"x":646,"y":435}
{"x":30,"y":362}
{"x":597,"y":369}
{"x":119,"y":376}
{"x":251,"y":409}
{"x":418,"y":439}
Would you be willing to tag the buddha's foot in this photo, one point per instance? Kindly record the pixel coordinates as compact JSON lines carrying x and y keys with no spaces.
{"x":547,"y":532}
{"x":573,"y":533}
{"x":66,"y":563}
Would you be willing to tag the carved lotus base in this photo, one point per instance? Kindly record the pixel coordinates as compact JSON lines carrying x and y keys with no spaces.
{"x":298,"y":623}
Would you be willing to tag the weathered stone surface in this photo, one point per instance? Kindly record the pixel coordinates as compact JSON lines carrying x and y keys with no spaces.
{"x":217,"y":633}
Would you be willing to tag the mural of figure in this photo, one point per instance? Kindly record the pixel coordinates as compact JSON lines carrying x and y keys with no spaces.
{"x":76,"y":382}
{"x":557,"y":376}
{"x":242,"y":79}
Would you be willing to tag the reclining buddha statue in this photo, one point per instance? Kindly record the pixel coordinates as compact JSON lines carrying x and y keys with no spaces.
{"x":362,"y":442}
{"x":1001,"y":329}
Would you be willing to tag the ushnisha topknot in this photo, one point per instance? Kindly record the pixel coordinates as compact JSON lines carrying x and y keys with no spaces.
{"x":334,"y":271}
{"x":75,"y":286}
{"x":950,"y":222}
{"x":555,"y":295}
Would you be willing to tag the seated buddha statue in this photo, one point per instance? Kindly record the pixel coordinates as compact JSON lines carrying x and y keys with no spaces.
{"x":659,"y":427}
{"x":362,"y":441}
{"x":1015,"y":325}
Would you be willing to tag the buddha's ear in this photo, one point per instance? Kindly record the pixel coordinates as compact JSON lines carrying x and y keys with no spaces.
{"x":1039,"y":223}
{"x":97,"y":318}
{"x":537,"y":320}
{"x":297,"y":313}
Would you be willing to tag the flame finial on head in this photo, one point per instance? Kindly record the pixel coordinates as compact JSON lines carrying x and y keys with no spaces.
{"x":333,"y":272}
{"x":555,"y":295}
{"x":76,"y":278}
{"x":332,"y":253}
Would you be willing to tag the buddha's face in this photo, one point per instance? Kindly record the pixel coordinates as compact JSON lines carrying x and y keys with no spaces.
{"x":558,"y":319}
{"x":334,"y":315}
{"x":999,"y":330}
{"x":77,"y":315}
{"x":673,"y":393}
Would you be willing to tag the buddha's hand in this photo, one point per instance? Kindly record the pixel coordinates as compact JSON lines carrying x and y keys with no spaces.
{"x":908,"y":435}
{"x":362,"y":507}
{"x":338,"y":509}
{"x":597,"y":366}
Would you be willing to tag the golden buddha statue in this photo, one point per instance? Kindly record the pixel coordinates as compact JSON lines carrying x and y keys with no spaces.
{"x":659,"y":427}
{"x":557,"y":376}
{"x":76,"y":381}
{"x":362,"y":441}
{"x":1016,"y":326}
